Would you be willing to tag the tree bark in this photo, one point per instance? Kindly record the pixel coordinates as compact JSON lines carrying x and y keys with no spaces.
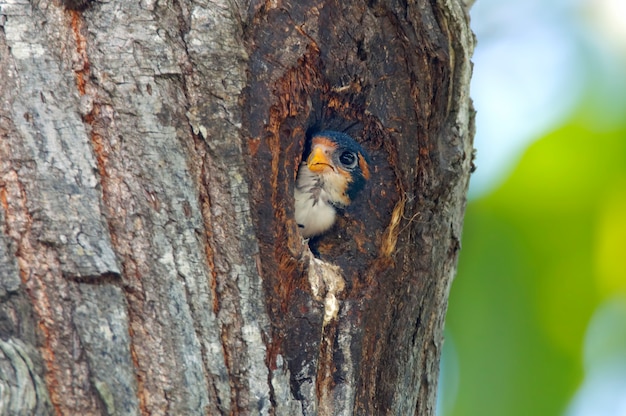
{"x":149,"y":258}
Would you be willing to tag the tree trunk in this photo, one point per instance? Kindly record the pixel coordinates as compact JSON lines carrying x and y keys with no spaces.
{"x":150,"y":262}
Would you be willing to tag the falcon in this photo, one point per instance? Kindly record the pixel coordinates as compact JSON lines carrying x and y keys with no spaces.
{"x":332,"y":173}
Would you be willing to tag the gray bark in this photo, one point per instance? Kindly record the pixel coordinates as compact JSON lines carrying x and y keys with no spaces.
{"x":149,"y":261}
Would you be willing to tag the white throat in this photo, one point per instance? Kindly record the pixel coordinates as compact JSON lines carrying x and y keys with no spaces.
{"x":314,"y":212}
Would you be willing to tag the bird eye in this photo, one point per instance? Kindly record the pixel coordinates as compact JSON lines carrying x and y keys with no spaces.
{"x":348,"y":159}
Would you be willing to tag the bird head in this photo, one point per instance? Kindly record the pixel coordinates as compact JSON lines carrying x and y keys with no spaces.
{"x":341,"y":164}
{"x":333,"y":171}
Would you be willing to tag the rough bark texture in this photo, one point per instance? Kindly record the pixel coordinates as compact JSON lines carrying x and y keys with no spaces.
{"x":149,"y":259}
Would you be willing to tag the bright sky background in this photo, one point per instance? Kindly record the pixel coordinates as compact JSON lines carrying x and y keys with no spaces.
{"x":530,"y":69}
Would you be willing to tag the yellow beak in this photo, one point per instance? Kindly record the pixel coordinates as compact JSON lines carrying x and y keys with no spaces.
{"x":318,"y":162}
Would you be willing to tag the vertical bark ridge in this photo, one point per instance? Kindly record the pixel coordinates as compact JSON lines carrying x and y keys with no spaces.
{"x":52,"y":210}
{"x":213,"y":45}
{"x":151,"y":194}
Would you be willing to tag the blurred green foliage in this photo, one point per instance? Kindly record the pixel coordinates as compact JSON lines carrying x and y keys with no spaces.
{"x":540,"y":255}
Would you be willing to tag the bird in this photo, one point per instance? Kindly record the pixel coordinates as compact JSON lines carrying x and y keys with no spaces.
{"x":333,"y":171}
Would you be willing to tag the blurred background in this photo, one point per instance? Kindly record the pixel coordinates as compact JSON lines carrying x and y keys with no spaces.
{"x":537,"y":315}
